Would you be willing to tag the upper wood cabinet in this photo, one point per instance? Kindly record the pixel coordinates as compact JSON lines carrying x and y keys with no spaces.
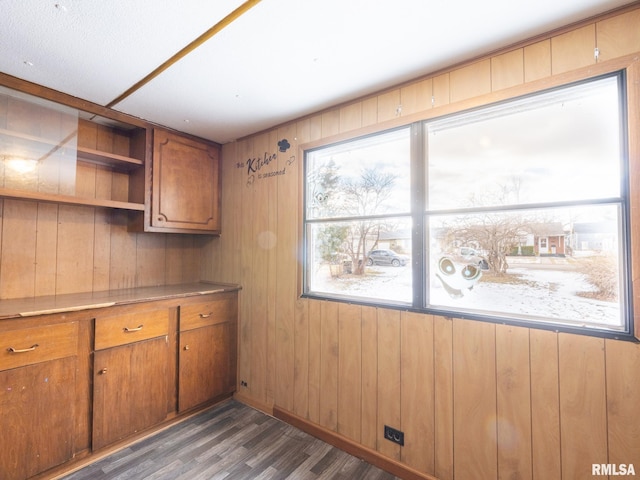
{"x":55,"y":153}
{"x":185,"y":185}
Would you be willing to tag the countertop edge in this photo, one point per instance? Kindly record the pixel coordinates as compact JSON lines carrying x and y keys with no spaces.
{"x":34,"y":306}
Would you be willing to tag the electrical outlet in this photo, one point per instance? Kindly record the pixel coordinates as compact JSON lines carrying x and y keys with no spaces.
{"x":396,"y":436}
{"x":243,"y":383}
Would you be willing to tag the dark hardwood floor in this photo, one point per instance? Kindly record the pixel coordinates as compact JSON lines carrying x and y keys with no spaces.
{"x":233,"y":442}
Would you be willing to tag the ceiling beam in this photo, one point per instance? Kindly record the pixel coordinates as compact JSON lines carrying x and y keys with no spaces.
{"x":246,"y":6}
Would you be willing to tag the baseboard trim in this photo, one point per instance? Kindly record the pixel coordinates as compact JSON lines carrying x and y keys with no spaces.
{"x":253,"y":403}
{"x":371,"y":456}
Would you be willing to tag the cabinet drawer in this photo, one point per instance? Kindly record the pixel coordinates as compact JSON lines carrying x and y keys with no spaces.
{"x":130,"y":327}
{"x":196,"y":315}
{"x":39,"y":344}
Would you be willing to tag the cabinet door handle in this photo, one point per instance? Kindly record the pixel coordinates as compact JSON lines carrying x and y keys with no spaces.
{"x":129,"y":330}
{"x":206,"y":315}
{"x":186,"y":347}
{"x":23,"y":350}
{"x":103,"y":371}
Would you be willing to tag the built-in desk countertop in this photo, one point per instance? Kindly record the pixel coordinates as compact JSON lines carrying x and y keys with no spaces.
{"x":28,"y":307}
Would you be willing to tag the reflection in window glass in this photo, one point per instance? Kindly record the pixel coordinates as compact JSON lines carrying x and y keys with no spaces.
{"x":559,"y":265}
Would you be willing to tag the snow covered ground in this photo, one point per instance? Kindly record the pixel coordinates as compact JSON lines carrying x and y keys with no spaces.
{"x":546,"y":291}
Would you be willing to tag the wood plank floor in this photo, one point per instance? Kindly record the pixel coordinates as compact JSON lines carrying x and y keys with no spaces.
{"x":234,"y":442}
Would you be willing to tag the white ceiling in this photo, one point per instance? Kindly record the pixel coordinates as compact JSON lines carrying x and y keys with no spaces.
{"x":279,"y":60}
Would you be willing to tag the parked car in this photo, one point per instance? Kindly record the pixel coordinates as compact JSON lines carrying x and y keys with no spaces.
{"x":386,"y":257}
{"x":470,"y":256}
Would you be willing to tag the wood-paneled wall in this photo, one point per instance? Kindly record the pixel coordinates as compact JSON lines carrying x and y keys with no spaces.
{"x":49,"y":249}
{"x":475,"y":400}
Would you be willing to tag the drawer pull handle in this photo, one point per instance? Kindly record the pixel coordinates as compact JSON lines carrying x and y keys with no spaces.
{"x":206,"y":315}
{"x":129,"y":330}
{"x":23,"y":350}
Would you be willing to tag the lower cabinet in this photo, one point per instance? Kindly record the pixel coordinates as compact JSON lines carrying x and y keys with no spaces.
{"x":73,"y":383}
{"x":129,"y":378}
{"x":207,"y":355}
{"x":37,"y":399}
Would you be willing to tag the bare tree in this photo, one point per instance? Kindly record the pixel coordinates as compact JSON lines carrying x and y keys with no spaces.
{"x":362,"y":197}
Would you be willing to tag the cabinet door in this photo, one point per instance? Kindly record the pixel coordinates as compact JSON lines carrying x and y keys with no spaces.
{"x":130,"y":389}
{"x":207,"y":364}
{"x":185,"y":195}
{"x":37,"y":417}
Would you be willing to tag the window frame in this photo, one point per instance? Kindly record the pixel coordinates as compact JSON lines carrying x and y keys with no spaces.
{"x":419,"y":215}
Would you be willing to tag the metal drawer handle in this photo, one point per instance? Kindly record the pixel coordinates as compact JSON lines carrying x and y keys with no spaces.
{"x":23,"y":350}
{"x":206,"y":315}
{"x":129,"y":330}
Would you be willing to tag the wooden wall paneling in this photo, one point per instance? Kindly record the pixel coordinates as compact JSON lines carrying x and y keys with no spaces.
{"x":507,"y":70}
{"x":315,"y":128}
{"x":416,"y":97}
{"x":105,"y":139}
{"x":351,"y":117}
{"x":46,"y":248}
{"x":389,"y":106}
{"x":268,"y":242}
{"x":315,"y":359}
{"x":101,"y":249}
{"x":441,"y":90}
{"x":545,"y":408}
{"x":286,"y":265}
{"x":537,"y":60}
{"x":623,"y":391}
{"x":474,"y":402}
{"x":349,"y":371}
{"x":329,"y":365}
{"x":243,"y":208}
{"x":17,"y":267}
{"x":75,"y":249}
{"x":258,"y":197}
{"x":150,"y":259}
{"x":583,"y":418}
{"x":417,"y":391}
{"x":573,"y":49}
{"x":389,"y":371}
{"x":369,"y":395}
{"x":330,"y":123}
{"x":85,"y":180}
{"x":470,"y":81}
{"x":104,"y":184}
{"x":301,"y":359}
{"x":225,"y":262}
{"x":443,"y":397}
{"x":122,"y":265}
{"x":633,"y":98}
{"x":618,"y":36}
{"x":173,"y":261}
{"x":513,"y":402}
{"x":369,"y":111}
{"x":120,"y":186}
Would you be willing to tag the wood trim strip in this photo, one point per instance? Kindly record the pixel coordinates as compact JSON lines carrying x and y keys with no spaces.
{"x":370,"y":456}
{"x":246,"y":6}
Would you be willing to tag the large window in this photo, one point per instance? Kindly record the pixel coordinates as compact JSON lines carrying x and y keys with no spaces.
{"x":515,"y":212}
